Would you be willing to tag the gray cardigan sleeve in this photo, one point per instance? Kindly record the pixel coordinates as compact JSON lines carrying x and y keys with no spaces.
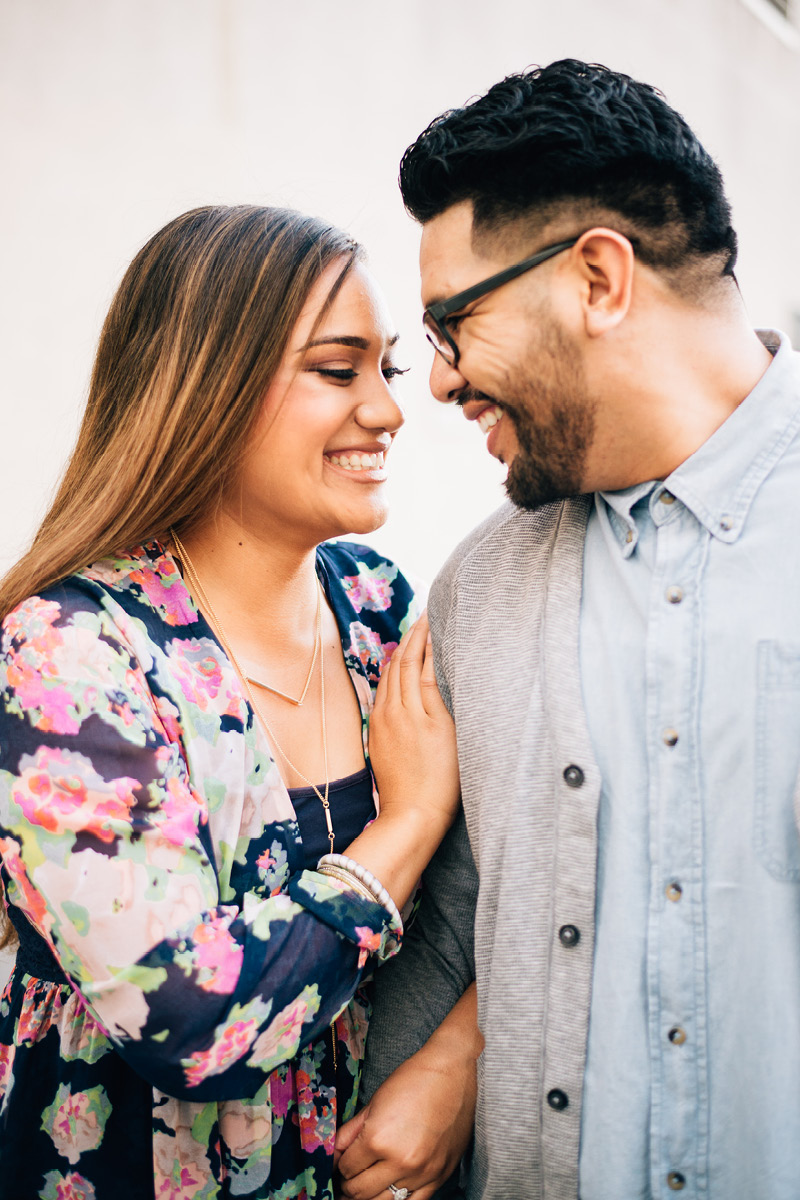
{"x":417,"y":989}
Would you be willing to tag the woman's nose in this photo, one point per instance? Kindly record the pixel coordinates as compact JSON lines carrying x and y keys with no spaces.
{"x":381,"y":411}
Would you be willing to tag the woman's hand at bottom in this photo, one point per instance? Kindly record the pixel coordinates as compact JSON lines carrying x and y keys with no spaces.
{"x":412,"y":1134}
{"x":418,"y":1125}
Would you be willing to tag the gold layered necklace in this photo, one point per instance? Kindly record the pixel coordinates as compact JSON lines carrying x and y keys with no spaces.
{"x":317,"y":644}
{"x":319,"y":651}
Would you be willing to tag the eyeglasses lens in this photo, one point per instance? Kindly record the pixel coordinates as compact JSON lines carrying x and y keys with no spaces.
{"x":437,"y":339}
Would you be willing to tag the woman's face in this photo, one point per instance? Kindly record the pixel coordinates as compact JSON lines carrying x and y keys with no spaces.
{"x":317,"y":468}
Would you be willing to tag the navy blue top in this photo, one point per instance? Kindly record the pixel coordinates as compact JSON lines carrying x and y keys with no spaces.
{"x":352,"y":806}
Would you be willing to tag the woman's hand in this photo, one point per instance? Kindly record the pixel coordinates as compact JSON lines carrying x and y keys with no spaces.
{"x":419,"y":1122}
{"x":412,"y":740}
{"x":412,"y":746}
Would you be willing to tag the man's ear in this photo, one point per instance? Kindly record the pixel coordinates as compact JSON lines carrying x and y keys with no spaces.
{"x":605,"y":262}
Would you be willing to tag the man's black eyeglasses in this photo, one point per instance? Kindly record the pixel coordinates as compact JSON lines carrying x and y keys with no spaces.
{"x":435,"y":315}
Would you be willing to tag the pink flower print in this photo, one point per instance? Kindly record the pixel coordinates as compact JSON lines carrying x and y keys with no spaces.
{"x":66,"y":1187}
{"x":281,"y":1090}
{"x":59,"y":790}
{"x":218,"y":956}
{"x":76,"y":1123}
{"x":372,"y":588}
{"x":316,"y":1111}
{"x":30,"y":899}
{"x":6,"y":1069}
{"x":197,"y":668}
{"x":273,"y":868}
{"x":281,"y":1038}
{"x":184,"y":1183}
{"x":169,"y":716}
{"x":34,"y":619}
{"x":368,"y":939}
{"x":368,"y":942}
{"x":227,"y":1049}
{"x":31,"y":670}
{"x":41,"y":1009}
{"x":366,"y":645}
{"x":166,"y":591}
{"x":182,"y":811}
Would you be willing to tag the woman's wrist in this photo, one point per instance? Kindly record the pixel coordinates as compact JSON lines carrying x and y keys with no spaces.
{"x":397,"y":847}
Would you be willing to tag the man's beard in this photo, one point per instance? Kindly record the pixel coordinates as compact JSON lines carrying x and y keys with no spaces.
{"x":553,"y":445}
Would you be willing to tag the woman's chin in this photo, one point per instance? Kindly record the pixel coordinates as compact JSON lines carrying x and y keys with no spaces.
{"x":361,"y":522}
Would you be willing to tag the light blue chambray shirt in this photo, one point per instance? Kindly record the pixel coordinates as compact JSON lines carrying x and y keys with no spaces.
{"x":690,"y":666}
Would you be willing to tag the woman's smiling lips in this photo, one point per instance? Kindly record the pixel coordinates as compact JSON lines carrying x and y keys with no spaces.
{"x":365,"y":464}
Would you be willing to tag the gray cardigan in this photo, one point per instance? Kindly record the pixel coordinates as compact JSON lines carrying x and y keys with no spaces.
{"x":504,"y":615}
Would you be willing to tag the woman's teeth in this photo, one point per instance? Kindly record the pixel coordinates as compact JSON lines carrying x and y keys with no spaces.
{"x":358,"y":462}
{"x":489,"y":418}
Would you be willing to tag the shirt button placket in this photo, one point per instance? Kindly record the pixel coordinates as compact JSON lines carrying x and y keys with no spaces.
{"x":674,"y":614}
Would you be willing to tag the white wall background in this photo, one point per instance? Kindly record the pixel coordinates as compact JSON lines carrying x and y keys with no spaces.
{"x":118,"y":114}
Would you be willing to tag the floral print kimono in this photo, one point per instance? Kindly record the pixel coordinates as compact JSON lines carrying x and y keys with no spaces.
{"x":167,"y":1030}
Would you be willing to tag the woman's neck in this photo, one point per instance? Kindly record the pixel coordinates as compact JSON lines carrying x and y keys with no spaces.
{"x":255,"y":584}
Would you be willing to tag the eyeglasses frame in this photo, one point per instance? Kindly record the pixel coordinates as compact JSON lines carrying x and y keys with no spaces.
{"x":436,"y":313}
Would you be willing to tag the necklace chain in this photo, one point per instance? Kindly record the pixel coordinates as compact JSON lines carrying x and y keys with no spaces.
{"x":317,"y":643}
{"x":194,"y":579}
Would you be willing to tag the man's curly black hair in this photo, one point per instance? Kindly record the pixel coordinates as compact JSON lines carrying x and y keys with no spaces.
{"x":577,"y":140}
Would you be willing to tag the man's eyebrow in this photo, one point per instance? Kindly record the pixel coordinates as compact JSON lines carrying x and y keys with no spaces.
{"x":343,"y":339}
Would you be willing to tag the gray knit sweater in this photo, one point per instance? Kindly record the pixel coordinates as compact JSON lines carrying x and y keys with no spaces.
{"x":504,"y":614}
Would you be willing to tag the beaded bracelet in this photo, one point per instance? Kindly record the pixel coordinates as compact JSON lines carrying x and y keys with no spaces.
{"x":340,"y":865}
{"x":348,"y":878}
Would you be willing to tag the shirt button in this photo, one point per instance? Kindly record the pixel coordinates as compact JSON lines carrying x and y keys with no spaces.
{"x":674,"y":594}
{"x":670,"y":736}
{"x":677,"y":1035}
{"x":569,"y":935}
{"x":675,"y":1181}
{"x":726,"y":522}
{"x":573,"y":776}
{"x":667,"y":498}
{"x":557,"y":1099}
{"x":674,"y":891}
{"x":629,"y":536}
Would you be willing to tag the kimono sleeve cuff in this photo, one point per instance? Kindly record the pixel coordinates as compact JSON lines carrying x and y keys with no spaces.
{"x":341,"y":905}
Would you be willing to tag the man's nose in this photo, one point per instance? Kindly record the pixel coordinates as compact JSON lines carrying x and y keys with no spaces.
{"x":447,"y":382}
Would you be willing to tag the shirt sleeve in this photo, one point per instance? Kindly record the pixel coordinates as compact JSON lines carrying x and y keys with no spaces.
{"x":416,"y":991}
{"x":105,"y":847}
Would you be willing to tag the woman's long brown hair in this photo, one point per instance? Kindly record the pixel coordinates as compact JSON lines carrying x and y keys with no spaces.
{"x":187,"y":352}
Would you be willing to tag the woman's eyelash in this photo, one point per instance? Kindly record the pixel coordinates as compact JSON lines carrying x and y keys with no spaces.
{"x":347,"y":373}
{"x":336,"y":372}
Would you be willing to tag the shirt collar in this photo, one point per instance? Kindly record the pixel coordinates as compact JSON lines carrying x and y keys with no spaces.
{"x":720,"y":480}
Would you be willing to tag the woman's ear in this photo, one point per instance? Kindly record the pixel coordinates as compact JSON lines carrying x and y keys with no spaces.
{"x":606,"y":263}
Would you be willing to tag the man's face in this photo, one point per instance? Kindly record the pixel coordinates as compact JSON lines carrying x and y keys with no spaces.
{"x":519,"y":373}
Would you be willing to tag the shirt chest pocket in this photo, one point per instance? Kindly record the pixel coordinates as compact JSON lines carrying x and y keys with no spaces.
{"x":777,"y":801}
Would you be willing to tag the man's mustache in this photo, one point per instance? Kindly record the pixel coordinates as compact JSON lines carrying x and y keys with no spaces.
{"x":468,"y":394}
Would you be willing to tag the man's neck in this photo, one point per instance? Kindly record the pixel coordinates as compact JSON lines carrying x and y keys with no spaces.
{"x":668,"y":390}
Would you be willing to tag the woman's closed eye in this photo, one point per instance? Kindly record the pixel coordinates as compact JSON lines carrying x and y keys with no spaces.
{"x":348,"y":374}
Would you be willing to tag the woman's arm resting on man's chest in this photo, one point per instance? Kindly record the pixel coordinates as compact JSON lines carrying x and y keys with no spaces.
{"x":424,"y":1035}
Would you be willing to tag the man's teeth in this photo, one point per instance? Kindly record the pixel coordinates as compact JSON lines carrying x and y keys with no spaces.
{"x":489,"y":418}
{"x":358,"y":462}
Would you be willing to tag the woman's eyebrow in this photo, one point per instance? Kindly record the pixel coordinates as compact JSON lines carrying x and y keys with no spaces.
{"x":343,"y":339}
